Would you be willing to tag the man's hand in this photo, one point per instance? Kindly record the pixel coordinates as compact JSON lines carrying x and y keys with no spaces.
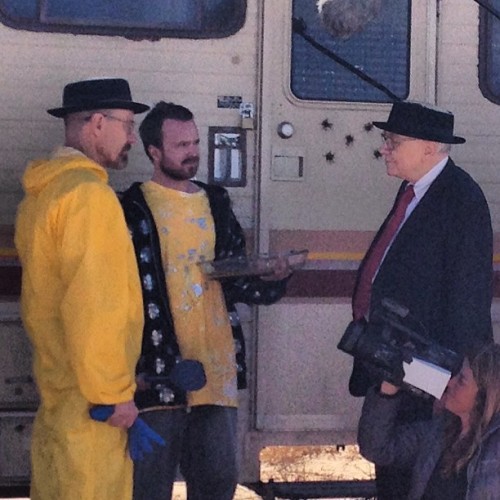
{"x":124,"y":415}
{"x":140,"y":436}
{"x":281,"y":270}
{"x":388,"y":389}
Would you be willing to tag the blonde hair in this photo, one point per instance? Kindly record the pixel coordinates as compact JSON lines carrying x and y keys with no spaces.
{"x":485,"y":366}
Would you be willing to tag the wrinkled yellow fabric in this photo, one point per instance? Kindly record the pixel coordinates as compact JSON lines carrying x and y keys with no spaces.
{"x":187,"y":235}
{"x":82,"y":308}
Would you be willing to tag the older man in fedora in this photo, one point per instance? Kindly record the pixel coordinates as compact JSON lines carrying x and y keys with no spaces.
{"x":81,"y":297}
{"x":432,"y":254}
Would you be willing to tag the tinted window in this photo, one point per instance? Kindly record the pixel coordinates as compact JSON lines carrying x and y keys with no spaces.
{"x":489,"y":52}
{"x":149,"y":18}
{"x":381,"y":50}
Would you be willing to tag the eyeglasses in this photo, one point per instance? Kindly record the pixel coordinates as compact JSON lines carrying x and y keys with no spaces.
{"x":129,"y":124}
{"x":392,"y":144}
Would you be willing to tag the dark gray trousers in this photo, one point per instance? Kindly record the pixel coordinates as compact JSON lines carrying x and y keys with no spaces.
{"x":203,"y":441}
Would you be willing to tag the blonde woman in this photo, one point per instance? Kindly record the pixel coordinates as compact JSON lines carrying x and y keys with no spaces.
{"x":456,"y":455}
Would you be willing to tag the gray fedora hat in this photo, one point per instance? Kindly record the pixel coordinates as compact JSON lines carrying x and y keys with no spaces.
{"x":102,"y":93}
{"x":421,"y":121}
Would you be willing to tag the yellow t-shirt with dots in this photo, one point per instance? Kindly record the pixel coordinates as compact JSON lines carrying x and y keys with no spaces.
{"x":186,"y":230}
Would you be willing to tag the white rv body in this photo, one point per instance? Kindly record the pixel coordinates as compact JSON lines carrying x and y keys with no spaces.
{"x":293,"y":198}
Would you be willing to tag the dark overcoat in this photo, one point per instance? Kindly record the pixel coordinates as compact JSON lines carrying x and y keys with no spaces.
{"x":440,"y":266}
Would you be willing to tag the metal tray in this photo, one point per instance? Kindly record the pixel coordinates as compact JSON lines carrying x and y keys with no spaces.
{"x":252,"y":265}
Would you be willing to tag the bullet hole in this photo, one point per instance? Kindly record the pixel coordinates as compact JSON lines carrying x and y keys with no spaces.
{"x":326,"y":124}
{"x":330,"y":157}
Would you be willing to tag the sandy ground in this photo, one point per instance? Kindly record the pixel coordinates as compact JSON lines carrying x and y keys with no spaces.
{"x":180,"y":493}
{"x":301,"y":463}
{"x":241,"y":493}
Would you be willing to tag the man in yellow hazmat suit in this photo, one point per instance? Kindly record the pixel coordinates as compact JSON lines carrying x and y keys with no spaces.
{"x":81,"y":298}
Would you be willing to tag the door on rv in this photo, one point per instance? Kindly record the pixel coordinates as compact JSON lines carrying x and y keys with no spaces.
{"x":323,"y":187}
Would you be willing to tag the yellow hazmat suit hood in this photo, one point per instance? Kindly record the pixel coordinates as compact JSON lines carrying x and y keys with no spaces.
{"x":81,"y":307}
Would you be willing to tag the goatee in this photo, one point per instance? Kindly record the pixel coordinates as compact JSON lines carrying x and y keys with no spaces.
{"x":181,"y":175}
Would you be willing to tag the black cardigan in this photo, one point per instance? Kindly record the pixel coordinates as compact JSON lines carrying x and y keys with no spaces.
{"x":160,"y":350}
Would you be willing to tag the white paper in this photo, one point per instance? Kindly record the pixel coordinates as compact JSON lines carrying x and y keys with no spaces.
{"x":426,"y":376}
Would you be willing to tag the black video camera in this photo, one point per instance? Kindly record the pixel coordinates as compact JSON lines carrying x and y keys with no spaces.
{"x":390,"y":338}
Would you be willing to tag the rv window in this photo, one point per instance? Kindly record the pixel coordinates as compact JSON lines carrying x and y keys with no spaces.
{"x":133,"y":18}
{"x":489,"y":55}
{"x":376,"y":46}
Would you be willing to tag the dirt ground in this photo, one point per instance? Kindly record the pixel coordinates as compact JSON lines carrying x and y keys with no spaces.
{"x":180,"y":493}
{"x":300,"y":463}
{"x":241,"y":493}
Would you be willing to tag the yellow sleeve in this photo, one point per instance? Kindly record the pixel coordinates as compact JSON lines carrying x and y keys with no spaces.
{"x":101,"y":307}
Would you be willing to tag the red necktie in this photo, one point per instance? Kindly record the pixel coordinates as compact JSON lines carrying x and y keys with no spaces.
{"x":361,"y":301}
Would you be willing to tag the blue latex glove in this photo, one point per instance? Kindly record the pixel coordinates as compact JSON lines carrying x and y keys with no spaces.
{"x":187,"y":375}
{"x":140,"y":435}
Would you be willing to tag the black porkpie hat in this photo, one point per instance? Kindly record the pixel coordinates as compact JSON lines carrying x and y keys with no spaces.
{"x":104,"y":93}
{"x":413,"y":119}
